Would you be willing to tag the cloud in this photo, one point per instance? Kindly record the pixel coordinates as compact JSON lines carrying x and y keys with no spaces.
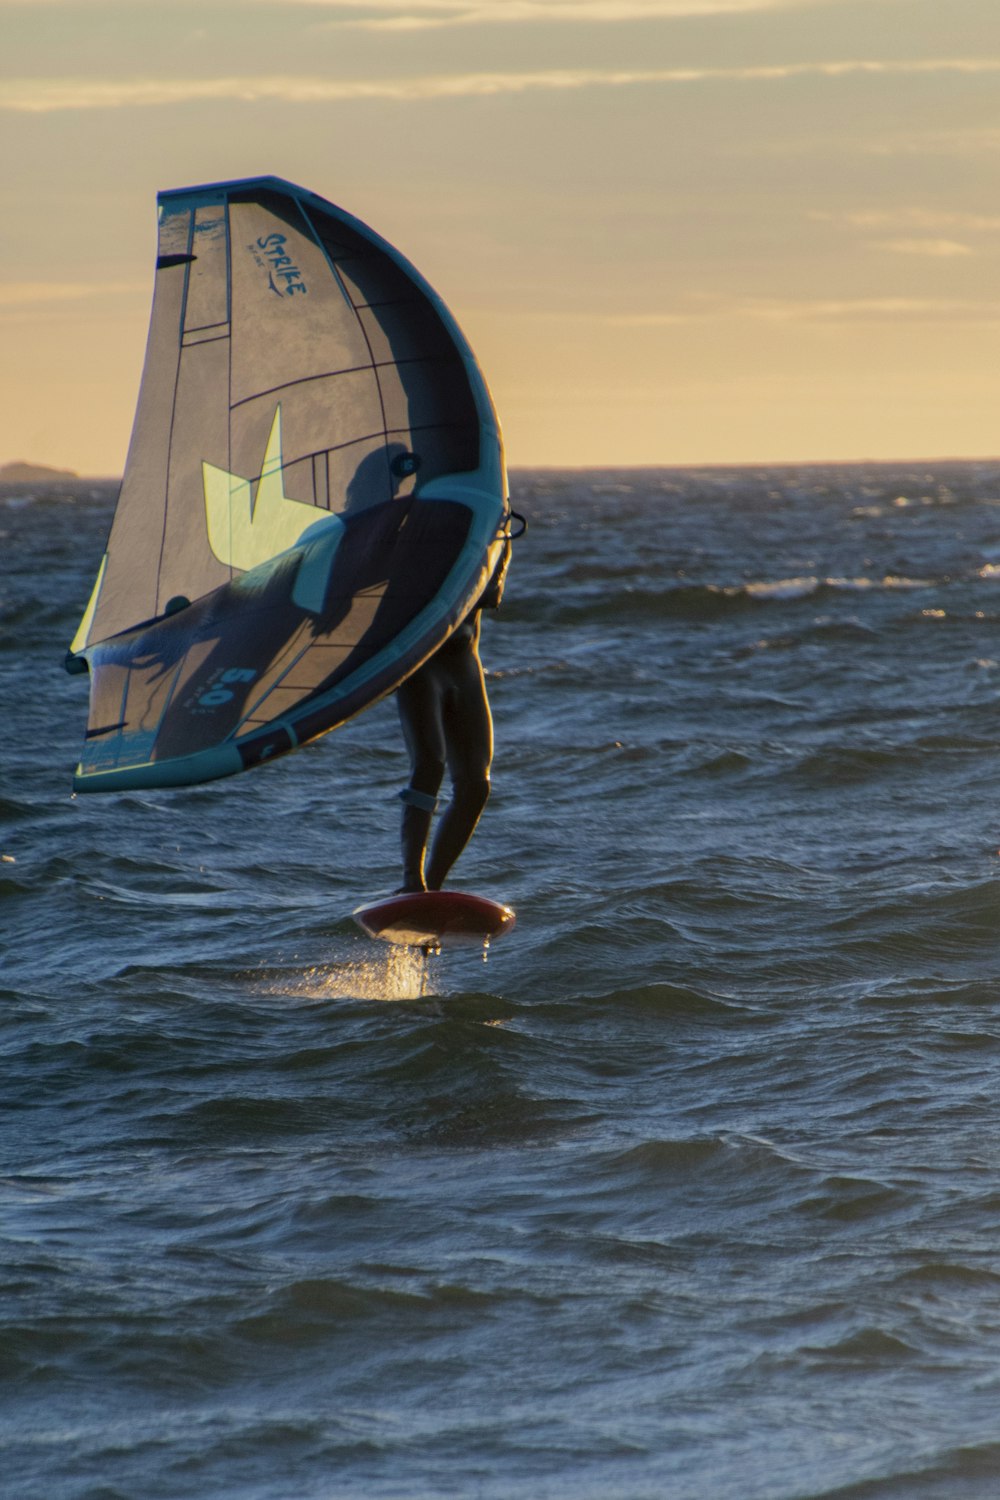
{"x":818,"y":310}
{"x":416,"y":14}
{"x":397,"y":15}
{"x":936,"y":249}
{"x":909,"y":218}
{"x":930,"y":142}
{"x":45,"y":95}
{"x":18,"y":294}
{"x":925,"y":243}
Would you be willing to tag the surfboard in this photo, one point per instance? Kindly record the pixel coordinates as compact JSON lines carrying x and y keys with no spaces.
{"x":436,"y":919}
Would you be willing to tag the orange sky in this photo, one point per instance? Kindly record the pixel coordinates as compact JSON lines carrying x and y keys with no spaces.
{"x":675,"y":231}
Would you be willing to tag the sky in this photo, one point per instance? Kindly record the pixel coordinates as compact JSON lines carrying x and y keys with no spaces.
{"x":674,"y":231}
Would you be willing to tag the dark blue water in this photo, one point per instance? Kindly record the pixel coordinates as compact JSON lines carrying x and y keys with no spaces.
{"x":692,"y":1190}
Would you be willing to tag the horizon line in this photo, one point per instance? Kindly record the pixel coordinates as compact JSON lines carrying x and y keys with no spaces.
{"x":54,"y":475}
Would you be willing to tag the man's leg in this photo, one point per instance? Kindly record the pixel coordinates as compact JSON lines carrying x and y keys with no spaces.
{"x":468,"y":738}
{"x":420,"y":714}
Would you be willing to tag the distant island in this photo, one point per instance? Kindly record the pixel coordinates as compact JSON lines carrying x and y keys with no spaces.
{"x":21,"y":473}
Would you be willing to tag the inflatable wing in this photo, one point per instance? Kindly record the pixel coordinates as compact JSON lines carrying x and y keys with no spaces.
{"x":314,"y":495}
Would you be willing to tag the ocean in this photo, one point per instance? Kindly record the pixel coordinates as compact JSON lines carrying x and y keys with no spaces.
{"x":689,"y":1191}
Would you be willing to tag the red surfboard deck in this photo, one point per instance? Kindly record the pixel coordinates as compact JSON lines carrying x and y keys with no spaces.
{"x":436,"y":919}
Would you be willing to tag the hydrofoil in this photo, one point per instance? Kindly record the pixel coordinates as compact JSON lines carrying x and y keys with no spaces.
{"x":432,"y":920}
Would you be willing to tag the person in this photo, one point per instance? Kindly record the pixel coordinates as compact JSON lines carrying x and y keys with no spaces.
{"x":446,"y":723}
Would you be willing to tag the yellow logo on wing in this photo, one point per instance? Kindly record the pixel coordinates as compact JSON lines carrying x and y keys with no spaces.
{"x":246,"y":529}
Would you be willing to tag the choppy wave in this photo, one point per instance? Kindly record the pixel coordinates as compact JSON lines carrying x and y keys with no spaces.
{"x":689,"y":1190}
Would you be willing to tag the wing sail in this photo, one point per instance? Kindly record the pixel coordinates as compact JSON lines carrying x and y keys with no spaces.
{"x":313,"y":498}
